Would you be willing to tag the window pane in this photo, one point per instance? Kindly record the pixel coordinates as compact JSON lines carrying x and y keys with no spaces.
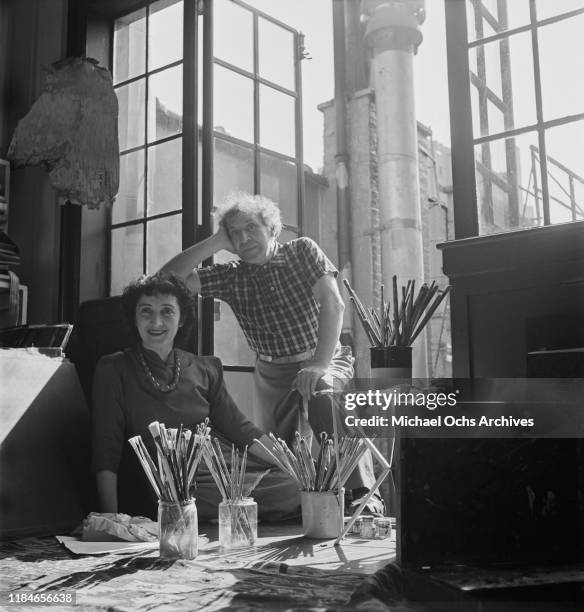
{"x":129,"y":46}
{"x":508,"y":101}
{"x":561,"y":56}
{"x":165,"y":104}
{"x":276,"y":53}
{"x":513,"y":14}
{"x":165,"y":33}
{"x":287,"y":235}
{"x":230,"y":343}
{"x":165,"y":177}
{"x":126,"y":263}
{"x":277,"y":121}
{"x":545,"y":8}
{"x":233,"y":104}
{"x":241,"y":388}
{"x":200,"y":72}
{"x":565,"y":169}
{"x":233,"y":34}
{"x":131,"y":99}
{"x":129,"y":202}
{"x":232,"y":169}
{"x":164,"y":240}
{"x":279,"y":182}
{"x":508,"y":184}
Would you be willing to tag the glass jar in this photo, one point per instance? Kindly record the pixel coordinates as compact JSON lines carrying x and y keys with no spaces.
{"x":368,"y":528}
{"x":178,"y":528}
{"x":238,"y":523}
{"x":383,"y":527}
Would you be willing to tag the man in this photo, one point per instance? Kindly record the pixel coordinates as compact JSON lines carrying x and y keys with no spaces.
{"x":288,"y":305}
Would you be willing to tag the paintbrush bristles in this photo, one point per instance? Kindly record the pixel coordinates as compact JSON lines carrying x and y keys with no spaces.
{"x":322,"y":474}
{"x":411,"y":312}
{"x":178,"y":455}
{"x":229,"y":481}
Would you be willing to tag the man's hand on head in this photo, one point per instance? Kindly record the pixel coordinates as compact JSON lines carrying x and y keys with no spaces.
{"x":222,"y":239}
{"x":307,"y":379}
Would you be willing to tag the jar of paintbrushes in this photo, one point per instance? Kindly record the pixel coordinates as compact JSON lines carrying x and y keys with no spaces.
{"x":179,"y":452}
{"x":320,"y":480}
{"x":238,"y":513}
{"x":178,"y":529}
{"x":238,"y":523}
{"x":395,"y":325}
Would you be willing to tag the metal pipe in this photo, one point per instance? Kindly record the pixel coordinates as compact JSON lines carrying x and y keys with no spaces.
{"x":299,"y":56}
{"x":341,"y":156}
{"x":190,"y":149}
{"x":207,"y":310}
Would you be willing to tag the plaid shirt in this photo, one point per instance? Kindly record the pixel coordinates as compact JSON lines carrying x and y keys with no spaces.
{"x":273,"y":303}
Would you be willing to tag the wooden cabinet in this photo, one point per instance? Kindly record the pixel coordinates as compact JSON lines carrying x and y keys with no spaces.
{"x":515,"y":298}
{"x":44,"y":446}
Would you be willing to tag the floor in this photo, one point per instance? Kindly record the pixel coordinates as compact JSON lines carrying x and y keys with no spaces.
{"x":284,"y":543}
{"x":283,"y":572}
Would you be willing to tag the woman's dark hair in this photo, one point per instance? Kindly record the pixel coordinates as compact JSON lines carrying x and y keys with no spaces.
{"x":160,"y":283}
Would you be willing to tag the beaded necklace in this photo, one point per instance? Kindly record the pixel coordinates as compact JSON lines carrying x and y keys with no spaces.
{"x":163,"y":387}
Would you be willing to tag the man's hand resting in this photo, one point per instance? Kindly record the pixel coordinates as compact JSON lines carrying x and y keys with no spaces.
{"x":307,"y":379}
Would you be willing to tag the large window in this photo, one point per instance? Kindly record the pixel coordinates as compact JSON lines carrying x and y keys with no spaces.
{"x":526,"y":124}
{"x":255,"y":117}
{"x":147,"y":72}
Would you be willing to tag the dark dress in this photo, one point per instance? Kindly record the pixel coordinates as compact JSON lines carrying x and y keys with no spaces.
{"x":125,"y":402}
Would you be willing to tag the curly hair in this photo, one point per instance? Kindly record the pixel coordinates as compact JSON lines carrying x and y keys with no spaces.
{"x":160,"y":283}
{"x":243,"y":202}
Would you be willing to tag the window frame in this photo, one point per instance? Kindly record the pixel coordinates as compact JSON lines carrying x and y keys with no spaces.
{"x":463,"y":141}
{"x":196,"y":206}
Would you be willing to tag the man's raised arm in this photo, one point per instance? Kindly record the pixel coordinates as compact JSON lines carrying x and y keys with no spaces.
{"x":184,"y":264}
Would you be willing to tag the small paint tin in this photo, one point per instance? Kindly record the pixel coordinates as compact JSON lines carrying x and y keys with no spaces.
{"x":383,"y":527}
{"x":367,"y":527}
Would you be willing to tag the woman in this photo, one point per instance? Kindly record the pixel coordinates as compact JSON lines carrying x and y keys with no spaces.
{"x":155,"y":381}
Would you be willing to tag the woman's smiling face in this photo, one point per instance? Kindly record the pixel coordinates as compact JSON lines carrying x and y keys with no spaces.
{"x":157,"y":320}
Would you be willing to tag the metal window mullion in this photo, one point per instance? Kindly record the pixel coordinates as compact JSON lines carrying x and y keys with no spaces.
{"x":508,"y":116}
{"x":149,"y":145}
{"x":551,"y":123}
{"x":190,"y":127}
{"x":257,"y":181}
{"x":254,"y":75}
{"x":145,"y":187}
{"x":495,"y":37}
{"x":265,"y":16}
{"x":137,"y":221}
{"x":560,"y":17}
{"x":108,"y":214}
{"x":280,"y":88}
{"x":463,"y":165}
{"x":526,"y":28}
{"x":299,"y":142}
{"x":534,"y":170}
{"x":486,"y":205}
{"x":148,"y":72}
{"x":539,"y":115}
{"x":207,"y":309}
